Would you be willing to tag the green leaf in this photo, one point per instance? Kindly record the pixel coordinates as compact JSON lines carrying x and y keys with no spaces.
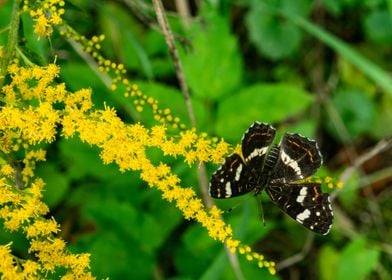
{"x":333,"y":6}
{"x":112,"y":256}
{"x":382,"y":127}
{"x":357,"y":260}
{"x":378,"y":27}
{"x":56,"y":183}
{"x":261,"y":102}
{"x":274,"y":37}
{"x":82,"y":160}
{"x":213,"y":66}
{"x":356,"y":110}
{"x":198,"y":247}
{"x":327,"y":258}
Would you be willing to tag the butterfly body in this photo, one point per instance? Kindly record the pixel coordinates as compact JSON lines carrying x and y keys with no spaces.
{"x":277,"y":170}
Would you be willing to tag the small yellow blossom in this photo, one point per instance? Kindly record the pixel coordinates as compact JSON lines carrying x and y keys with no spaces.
{"x":7,"y":170}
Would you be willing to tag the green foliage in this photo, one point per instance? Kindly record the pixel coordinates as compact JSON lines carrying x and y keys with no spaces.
{"x":302,"y":66}
{"x":213,"y":65}
{"x":378,"y":27}
{"x":355,"y":261}
{"x":283,"y":100}
{"x":357,"y":111}
{"x":274,"y":37}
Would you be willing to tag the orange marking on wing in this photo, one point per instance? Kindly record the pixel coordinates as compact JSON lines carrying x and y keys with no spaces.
{"x":316,"y":192}
{"x":233,"y":163}
{"x":260,"y":134}
{"x":306,"y":150}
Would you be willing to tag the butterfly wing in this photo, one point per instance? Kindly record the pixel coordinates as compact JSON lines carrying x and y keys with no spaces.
{"x":299,"y":157}
{"x":255,"y":143}
{"x":233,"y":178}
{"x":305,"y":203}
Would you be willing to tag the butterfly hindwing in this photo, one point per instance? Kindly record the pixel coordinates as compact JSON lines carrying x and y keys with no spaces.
{"x":305,"y":203}
{"x":233,"y":178}
{"x":255,"y":143}
{"x":299,"y":157}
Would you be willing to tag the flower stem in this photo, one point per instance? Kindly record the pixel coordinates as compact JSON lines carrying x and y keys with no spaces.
{"x":12,"y":40}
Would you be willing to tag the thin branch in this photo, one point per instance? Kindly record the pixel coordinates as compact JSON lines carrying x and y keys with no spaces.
{"x":163,"y":23}
{"x":12,"y":40}
{"x":378,"y":148}
{"x":203,"y":182}
{"x":366,"y":180}
{"x":299,"y":256}
{"x":184,"y":11}
{"x":234,"y":264}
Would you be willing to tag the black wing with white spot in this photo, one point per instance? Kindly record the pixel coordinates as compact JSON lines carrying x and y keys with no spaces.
{"x":305,"y":203}
{"x":233,"y":178}
{"x":299,"y":157}
{"x":255,"y":143}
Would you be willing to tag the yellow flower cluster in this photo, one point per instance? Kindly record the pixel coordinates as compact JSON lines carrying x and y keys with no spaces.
{"x":21,"y":206}
{"x":45,"y":14}
{"x":120,"y":143}
{"x":92,"y":47}
{"x":162,"y":116}
{"x":24,"y":209}
{"x":28,"y":124}
{"x":328,"y":181}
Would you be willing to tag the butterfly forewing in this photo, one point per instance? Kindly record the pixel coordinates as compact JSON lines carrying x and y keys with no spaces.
{"x":255,"y":143}
{"x":305,"y":203}
{"x":299,"y":158}
{"x":233,"y":178}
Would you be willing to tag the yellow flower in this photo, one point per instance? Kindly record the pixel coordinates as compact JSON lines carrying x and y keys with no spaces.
{"x":42,"y":228}
{"x":7,"y":170}
{"x":7,"y":268}
{"x":42,"y":27}
{"x":30,"y":269}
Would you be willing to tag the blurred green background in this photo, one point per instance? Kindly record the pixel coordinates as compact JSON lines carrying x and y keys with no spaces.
{"x":321,"y":68}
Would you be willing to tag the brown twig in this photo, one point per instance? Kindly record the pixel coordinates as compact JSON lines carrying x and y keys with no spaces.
{"x":378,"y":148}
{"x":184,"y":12}
{"x":163,"y":23}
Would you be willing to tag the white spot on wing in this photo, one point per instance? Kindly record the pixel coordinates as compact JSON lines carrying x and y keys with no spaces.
{"x":257,"y":152}
{"x":329,"y":204}
{"x":292,"y":163}
{"x":302,"y":194}
{"x":228,"y":189}
{"x":303,"y":216}
{"x":238,"y":172}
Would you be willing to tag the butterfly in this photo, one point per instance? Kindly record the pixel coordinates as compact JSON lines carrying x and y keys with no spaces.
{"x":280,"y":171}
